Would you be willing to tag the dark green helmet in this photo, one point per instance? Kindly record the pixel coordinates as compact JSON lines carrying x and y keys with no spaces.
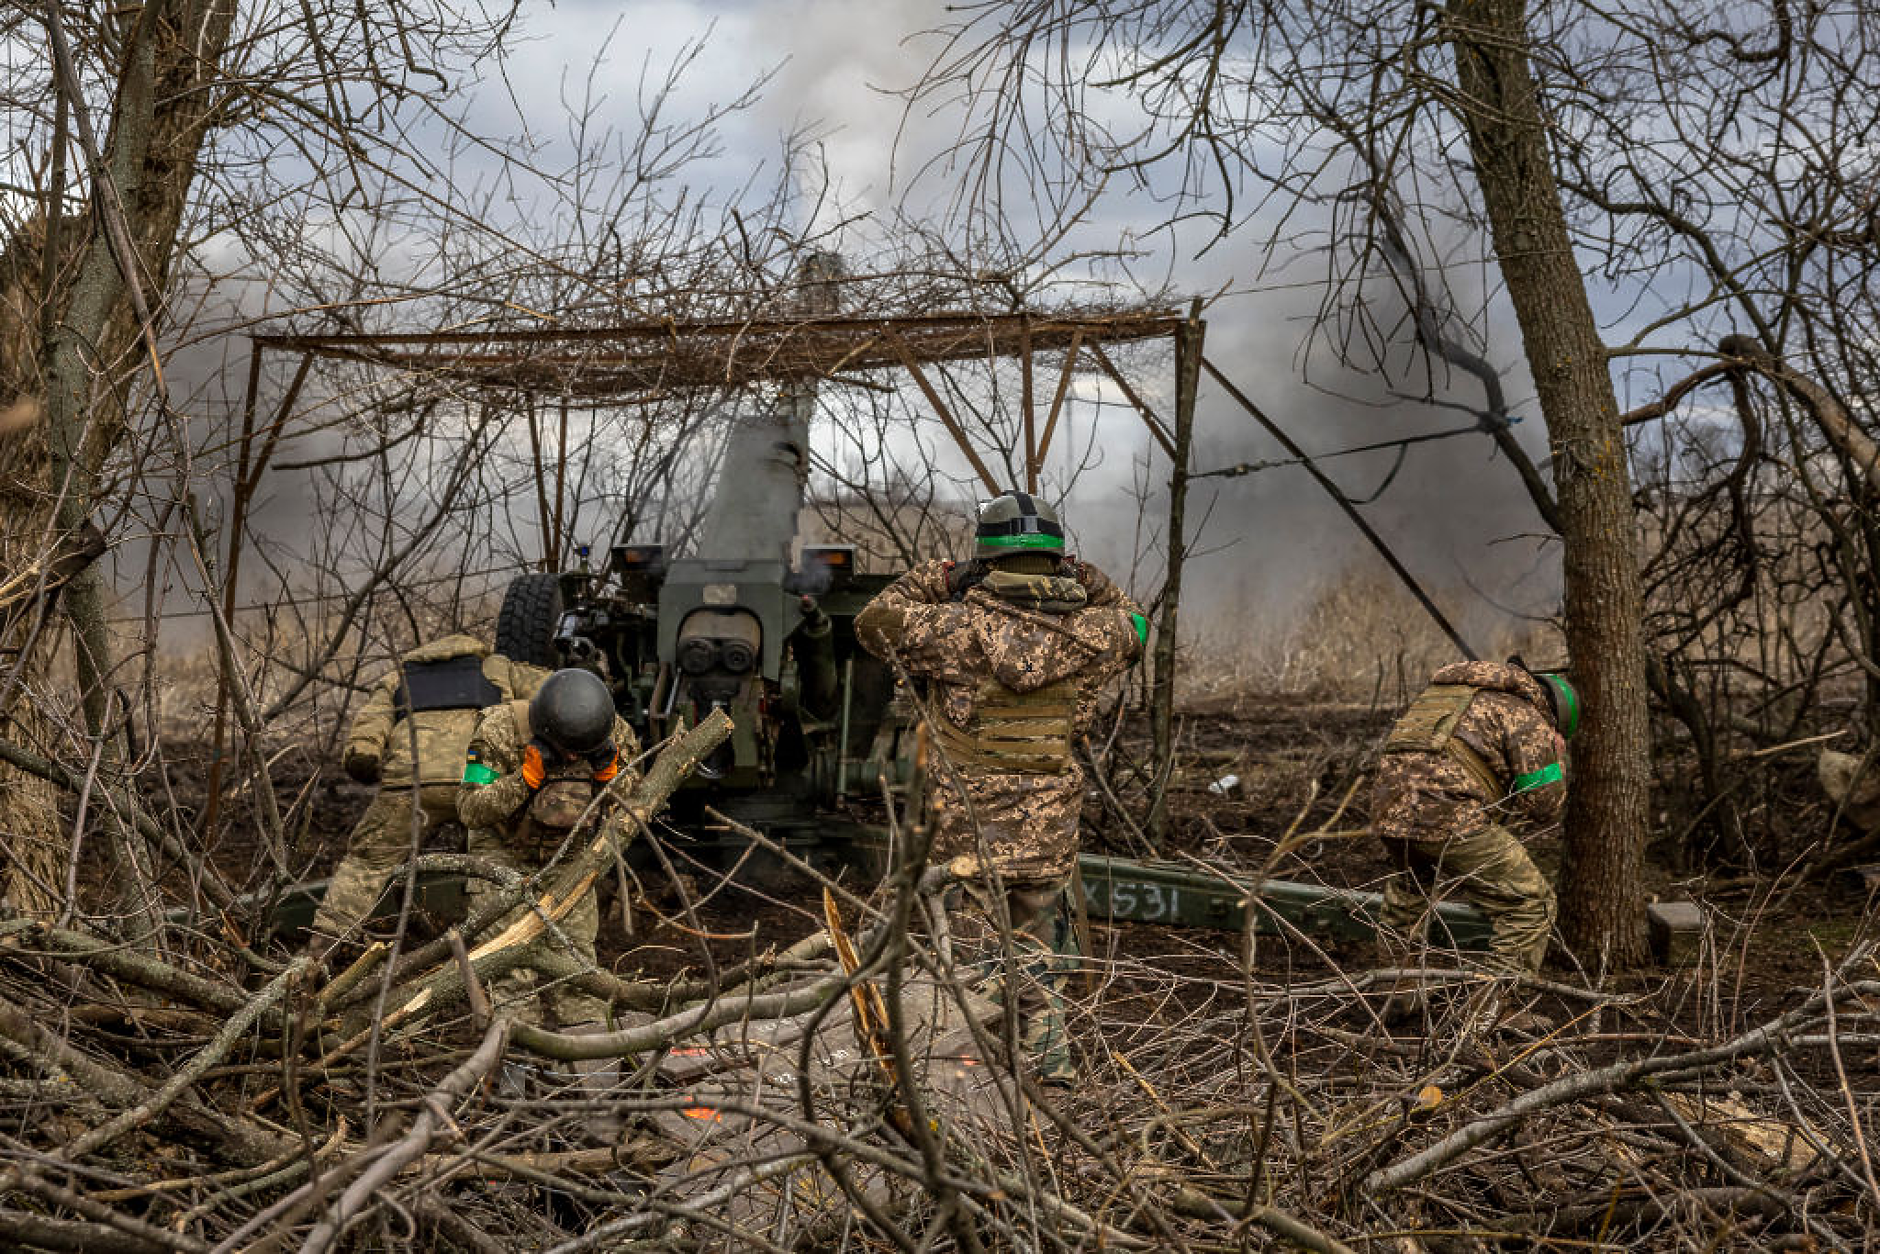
{"x":1562,"y":700}
{"x":573,"y":711}
{"x":1017,"y":522}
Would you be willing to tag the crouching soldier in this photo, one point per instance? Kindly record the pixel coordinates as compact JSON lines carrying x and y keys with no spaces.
{"x":409,"y":739}
{"x":533,"y":771}
{"x":1012,"y":649}
{"x":1478,"y":750}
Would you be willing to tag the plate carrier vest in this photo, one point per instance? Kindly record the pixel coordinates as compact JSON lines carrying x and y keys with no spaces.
{"x":1429,"y":726}
{"x":1019,"y":733}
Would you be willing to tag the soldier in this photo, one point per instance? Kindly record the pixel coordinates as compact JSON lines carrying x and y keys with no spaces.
{"x":1479,"y":748}
{"x":429,"y":704}
{"x":1013,"y":649}
{"x":534,"y":768}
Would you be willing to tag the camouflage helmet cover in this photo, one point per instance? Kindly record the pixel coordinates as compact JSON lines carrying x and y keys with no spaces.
{"x":573,"y":711}
{"x":1017,"y":522}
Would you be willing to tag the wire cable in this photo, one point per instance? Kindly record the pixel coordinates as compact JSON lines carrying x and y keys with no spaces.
{"x":1486,"y":426}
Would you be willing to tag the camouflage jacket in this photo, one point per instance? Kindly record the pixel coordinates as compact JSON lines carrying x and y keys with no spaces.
{"x":494,"y":798}
{"x":1437,"y":796}
{"x":380,"y":731}
{"x":972,"y":652}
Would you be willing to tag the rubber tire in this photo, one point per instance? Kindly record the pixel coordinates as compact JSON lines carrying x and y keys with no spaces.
{"x":525,"y":626}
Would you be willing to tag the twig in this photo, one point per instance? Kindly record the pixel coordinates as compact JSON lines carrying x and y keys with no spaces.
{"x":414,"y":1143}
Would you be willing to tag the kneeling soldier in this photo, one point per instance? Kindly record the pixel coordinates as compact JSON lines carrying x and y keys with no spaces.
{"x":1479,"y":748}
{"x":534,"y":769}
{"x":409,"y":739}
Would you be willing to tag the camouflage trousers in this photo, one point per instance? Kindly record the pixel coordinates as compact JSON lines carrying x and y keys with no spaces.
{"x":522,"y":993}
{"x":379,"y":845}
{"x":1033,"y":973}
{"x":1489,"y":869}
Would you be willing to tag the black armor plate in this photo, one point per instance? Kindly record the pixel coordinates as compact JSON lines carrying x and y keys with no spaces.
{"x":455,"y":683}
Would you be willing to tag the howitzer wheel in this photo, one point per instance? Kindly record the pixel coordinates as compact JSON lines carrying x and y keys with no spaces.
{"x":525,"y":626}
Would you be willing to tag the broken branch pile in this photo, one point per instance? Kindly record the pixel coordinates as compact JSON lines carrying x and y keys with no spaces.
{"x":851,"y":1093}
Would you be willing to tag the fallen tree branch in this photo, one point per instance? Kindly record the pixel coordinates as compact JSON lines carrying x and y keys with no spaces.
{"x":186,"y":1075}
{"x":21,"y":1232}
{"x":444,"y":987}
{"x":434,"y":1117}
{"x":123,"y":1090}
{"x":1609,"y":1079}
{"x":99,"y":1213}
{"x":1278,"y":1222}
{"x":128,"y":964}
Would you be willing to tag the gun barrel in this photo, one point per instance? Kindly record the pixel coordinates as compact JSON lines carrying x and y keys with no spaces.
{"x":814,"y":646}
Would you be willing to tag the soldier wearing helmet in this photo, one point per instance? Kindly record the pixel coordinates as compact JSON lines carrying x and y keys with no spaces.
{"x":535,"y":769}
{"x":1012,"y":650}
{"x":1480,"y":750}
{"x":409,"y":738}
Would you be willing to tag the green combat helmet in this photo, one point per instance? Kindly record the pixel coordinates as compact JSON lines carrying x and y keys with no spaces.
{"x":573,"y":711}
{"x":1017,"y":522}
{"x":1564,"y":701}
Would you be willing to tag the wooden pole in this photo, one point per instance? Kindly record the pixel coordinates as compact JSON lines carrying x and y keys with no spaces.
{"x":1156,"y":428}
{"x":1057,"y":398}
{"x":946,"y":415}
{"x":1188,"y":342}
{"x":1031,"y":420}
{"x":544,"y":516}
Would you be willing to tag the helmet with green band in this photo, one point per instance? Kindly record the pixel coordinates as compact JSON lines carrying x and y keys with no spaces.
{"x":1017,"y":522}
{"x":1564,"y":700}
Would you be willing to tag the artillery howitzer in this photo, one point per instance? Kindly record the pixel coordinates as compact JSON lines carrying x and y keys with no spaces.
{"x":771,"y":644}
{"x":741,"y":624}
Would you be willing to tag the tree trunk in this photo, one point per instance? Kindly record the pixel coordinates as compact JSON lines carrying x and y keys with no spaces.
{"x":78,"y":317}
{"x":1601,"y":899}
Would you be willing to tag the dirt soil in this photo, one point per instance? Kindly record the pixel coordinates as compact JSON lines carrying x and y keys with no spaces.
{"x":1301,"y":766}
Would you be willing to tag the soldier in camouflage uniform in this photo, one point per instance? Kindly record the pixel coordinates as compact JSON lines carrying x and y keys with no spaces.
{"x":430,"y":703}
{"x":1480,"y":748}
{"x":534,"y":768}
{"x":1013,"y":649}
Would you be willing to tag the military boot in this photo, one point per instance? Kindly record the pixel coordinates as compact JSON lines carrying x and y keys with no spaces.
{"x":1045,"y":1031}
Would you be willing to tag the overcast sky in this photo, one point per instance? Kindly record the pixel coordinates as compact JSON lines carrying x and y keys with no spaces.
{"x":1453,"y":506}
{"x":1270,"y":539}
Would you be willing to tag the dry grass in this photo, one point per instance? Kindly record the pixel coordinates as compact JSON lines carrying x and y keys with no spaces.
{"x":1359,"y":636}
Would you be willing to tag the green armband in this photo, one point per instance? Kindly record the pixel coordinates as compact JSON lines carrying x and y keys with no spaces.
{"x":479,"y":774}
{"x":1142,"y":628}
{"x":1549,"y":774}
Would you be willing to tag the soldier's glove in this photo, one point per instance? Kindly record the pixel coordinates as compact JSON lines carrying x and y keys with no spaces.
{"x":534,"y":765}
{"x":606,"y":763}
{"x":363,"y":767}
